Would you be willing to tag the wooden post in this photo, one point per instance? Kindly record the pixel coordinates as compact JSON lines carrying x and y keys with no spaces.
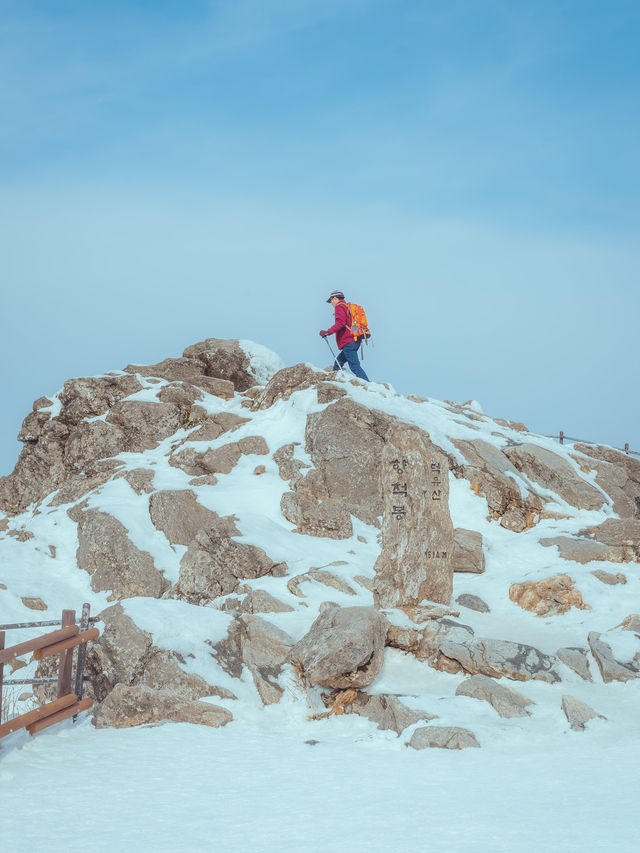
{"x":82,"y":652}
{"x":561,"y":437}
{"x":66,"y":657}
{"x":626,"y":448}
{"x":1,"y":672}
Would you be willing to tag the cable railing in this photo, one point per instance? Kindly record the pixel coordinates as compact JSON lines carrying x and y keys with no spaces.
{"x":562,"y":437}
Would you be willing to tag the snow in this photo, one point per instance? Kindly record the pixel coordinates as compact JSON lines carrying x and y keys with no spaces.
{"x":259,"y":784}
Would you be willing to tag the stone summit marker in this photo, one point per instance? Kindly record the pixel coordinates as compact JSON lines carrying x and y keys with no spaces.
{"x":417,"y":533}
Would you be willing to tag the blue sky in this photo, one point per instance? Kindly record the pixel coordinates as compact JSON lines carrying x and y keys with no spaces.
{"x":469,"y":171}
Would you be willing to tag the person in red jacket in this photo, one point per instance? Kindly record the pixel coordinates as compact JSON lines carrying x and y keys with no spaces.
{"x":347,"y":344}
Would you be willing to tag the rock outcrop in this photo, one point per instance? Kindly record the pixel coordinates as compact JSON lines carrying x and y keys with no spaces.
{"x":442,"y":737}
{"x":547,"y":597}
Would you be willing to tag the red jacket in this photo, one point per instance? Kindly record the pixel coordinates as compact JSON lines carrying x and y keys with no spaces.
{"x":342,"y":326}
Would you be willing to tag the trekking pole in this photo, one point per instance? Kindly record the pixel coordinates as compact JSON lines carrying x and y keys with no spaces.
{"x":335,"y":357}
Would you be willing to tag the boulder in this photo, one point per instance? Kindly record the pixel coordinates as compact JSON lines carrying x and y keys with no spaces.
{"x":79,"y":485}
{"x":576,"y":659}
{"x":468,"y":554}
{"x":473,"y":602}
{"x":491,"y":475}
{"x":618,"y":532}
{"x":223,"y":359}
{"x":417,"y":533}
{"x":92,"y":440}
{"x":140,"y":479}
{"x":33,"y":603}
{"x":214,"y":563}
{"x":547,"y":597}
{"x":91,"y":396}
{"x":260,"y":601}
{"x":113,"y":561}
{"x":177,"y":513}
{"x":40,"y":469}
{"x":553,"y":472}
{"x":387,"y":711}
{"x":286,"y":382}
{"x":219,"y":460}
{"x":618,"y":474}
{"x":320,"y":576}
{"x":260,"y":646}
{"x":146,"y":424}
{"x":609,"y":578}
{"x":180,"y":394}
{"x":584,"y":550}
{"x":578,"y":713}
{"x":345,"y":442}
{"x":312,"y":517}
{"x":189,"y":370}
{"x":289,"y":467}
{"x":127,"y":706}
{"x":213,"y":426}
{"x":442,"y":737}
{"x":504,"y":700}
{"x":610,"y":664}
{"x":343,"y":648}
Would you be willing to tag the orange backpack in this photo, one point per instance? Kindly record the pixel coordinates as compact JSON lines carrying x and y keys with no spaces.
{"x":359,"y":327}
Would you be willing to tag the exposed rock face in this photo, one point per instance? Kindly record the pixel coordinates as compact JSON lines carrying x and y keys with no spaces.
{"x":260,"y":646}
{"x":618,"y":475}
{"x":610,"y":666}
{"x":260,"y":601}
{"x":289,"y":467}
{"x":344,"y":647}
{"x":316,"y":518}
{"x":584,"y":550}
{"x":92,"y":440}
{"x":90,"y":396}
{"x":179,"y":516}
{"x":547,"y":597}
{"x":609,"y":578}
{"x":214,"y":563}
{"x":320,"y":576}
{"x":577,"y":660}
{"x":442,"y":737}
{"x":145,"y":424}
{"x":468,"y":555}
{"x":213,"y":426}
{"x":345,"y":442}
{"x":140,"y":480}
{"x":555,"y":473}
{"x":388,"y":712}
{"x":223,"y":359}
{"x":417,"y":533}
{"x":452,"y":647}
{"x":578,"y":713}
{"x":492,"y":475}
{"x":219,"y":460}
{"x":188,"y":370}
{"x":126,"y":706}
{"x":113,"y":561}
{"x":286,"y":382}
{"x":620,"y":532}
{"x":40,"y":469}
{"x":507,"y":702}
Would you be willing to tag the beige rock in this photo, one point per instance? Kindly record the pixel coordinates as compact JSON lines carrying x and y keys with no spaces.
{"x":507,"y":702}
{"x":79,"y":485}
{"x":94,"y":395}
{"x":343,"y":648}
{"x":577,"y":660}
{"x":442,"y":737}
{"x":146,"y":424}
{"x":289,"y":468}
{"x":40,"y":469}
{"x":140,"y":480}
{"x":387,"y":711}
{"x":214,"y":563}
{"x":260,"y":601}
{"x":223,"y":359}
{"x":180,"y":517}
{"x":181,"y":394}
{"x":90,"y":441}
{"x":578,"y":713}
{"x":468,"y":554}
{"x":584,"y":550}
{"x":34,"y":603}
{"x":127,"y":706}
{"x":320,"y":576}
{"x":547,"y":597}
{"x":113,"y":561}
{"x":188,"y":370}
{"x":213,"y":426}
{"x":326,"y":518}
{"x":618,"y":474}
{"x":417,"y":533}
{"x":618,"y":532}
{"x":609,"y":578}
{"x":551,"y":471}
{"x":489,"y":470}
{"x":285,"y":383}
{"x":631,"y":623}
{"x":345,"y":442}
{"x":610,"y":667}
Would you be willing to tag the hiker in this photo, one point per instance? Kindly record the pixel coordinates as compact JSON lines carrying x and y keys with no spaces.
{"x":347,"y":344}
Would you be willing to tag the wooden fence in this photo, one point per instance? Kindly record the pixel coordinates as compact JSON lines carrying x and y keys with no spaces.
{"x":69,"y":701}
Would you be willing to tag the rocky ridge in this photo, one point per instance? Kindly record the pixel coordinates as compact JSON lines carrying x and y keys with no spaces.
{"x":256,"y":536}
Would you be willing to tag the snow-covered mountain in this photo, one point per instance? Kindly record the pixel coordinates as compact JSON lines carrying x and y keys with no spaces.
{"x":259,"y":541}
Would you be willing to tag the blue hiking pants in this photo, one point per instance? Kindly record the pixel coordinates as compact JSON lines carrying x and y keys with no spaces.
{"x":349,"y":353}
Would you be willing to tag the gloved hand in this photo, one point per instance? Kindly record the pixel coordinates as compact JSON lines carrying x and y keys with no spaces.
{"x":323,"y":334}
